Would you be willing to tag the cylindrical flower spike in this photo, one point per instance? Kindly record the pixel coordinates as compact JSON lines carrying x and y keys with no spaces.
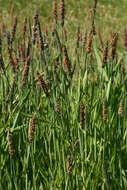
{"x":66,"y":61}
{"x":105,"y":54}
{"x":104,"y":112}
{"x":125,"y":39}
{"x":113,"y":44}
{"x":32,"y":130}
{"x":11,"y":150}
{"x":24,"y":28}
{"x":89,"y":43}
{"x":62,"y":10}
{"x":120,"y":110}
{"x":57,"y":106}
{"x":42,"y":83}
{"x":13,"y":29}
{"x":68,"y":164}
{"x":25,"y":72}
{"x":54,"y":12}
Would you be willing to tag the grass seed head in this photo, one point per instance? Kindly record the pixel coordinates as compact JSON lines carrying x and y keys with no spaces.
{"x":89,"y":43}
{"x":10,"y":144}
{"x":0,"y":45}
{"x":100,"y":37}
{"x":21,"y":53}
{"x":58,"y":110}
{"x":62,"y":11}
{"x":78,"y":37}
{"x":42,"y":83}
{"x":68,"y":164}
{"x":104,"y":111}
{"x":94,"y":6}
{"x":32,"y":129}
{"x":66,"y":61}
{"x":120,"y":110}
{"x":16,"y":62}
{"x":40,"y":37}
{"x":93,"y":30}
{"x":65,"y":34}
{"x":53,"y":29}
{"x":105,"y":54}
{"x":3,"y":29}
{"x":11,"y":60}
{"x":54,"y":11}
{"x":76,"y":145}
{"x":84,"y":39}
{"x":125,"y":39}
{"x":24,"y":28}
{"x":113,"y":45}
{"x":13,"y":29}
{"x":25,"y":72}
{"x":56,"y":66}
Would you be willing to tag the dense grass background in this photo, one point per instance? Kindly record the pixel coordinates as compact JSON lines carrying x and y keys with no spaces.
{"x":111,"y":14}
{"x":80,"y":134}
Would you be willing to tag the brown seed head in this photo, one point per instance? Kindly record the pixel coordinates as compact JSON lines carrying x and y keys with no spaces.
{"x":40,"y":37}
{"x":32,"y":130}
{"x":13,"y":29}
{"x":113,"y":44}
{"x":65,"y":34}
{"x":66,"y":61}
{"x":0,"y":45}
{"x":24,"y":28}
{"x":105,"y":54}
{"x":28,"y":48}
{"x":92,"y":22}
{"x":100,"y":37}
{"x":57,"y":105}
{"x":42,"y":83}
{"x":77,"y":37}
{"x":56,"y":66}
{"x":84,"y":38}
{"x":93,"y":29}
{"x":76,"y":145}
{"x":120,"y":110}
{"x":25,"y":72}
{"x":34,"y":33}
{"x":3,"y":30}
{"x":16,"y":62}
{"x":35,"y":17}
{"x":54,"y":12}
{"x":53,"y":29}
{"x":125,"y":39}
{"x":91,"y":16}
{"x":11,"y":150}
{"x":94,"y":6}
{"x":62,"y":10}
{"x":68,"y":164}
{"x":11,"y":59}
{"x":104,"y":114}
{"x":21,"y":53}
{"x":89,"y":43}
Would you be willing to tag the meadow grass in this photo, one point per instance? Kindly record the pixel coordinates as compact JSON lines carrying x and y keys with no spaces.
{"x":63,"y":96}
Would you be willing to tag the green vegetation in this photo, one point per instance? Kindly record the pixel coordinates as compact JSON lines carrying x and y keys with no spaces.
{"x":63,"y":95}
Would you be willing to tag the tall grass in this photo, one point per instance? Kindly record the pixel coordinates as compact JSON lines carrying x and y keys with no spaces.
{"x":63,"y":106}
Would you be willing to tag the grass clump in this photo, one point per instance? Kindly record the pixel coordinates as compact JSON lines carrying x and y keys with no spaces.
{"x":62,"y":103}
